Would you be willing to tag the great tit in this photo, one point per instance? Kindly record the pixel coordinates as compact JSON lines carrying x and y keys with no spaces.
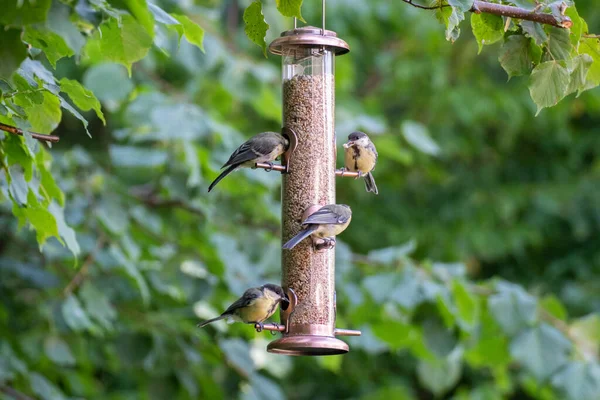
{"x":326,"y":222}
{"x":361,"y":156}
{"x":264,"y":147}
{"x":255,"y":305}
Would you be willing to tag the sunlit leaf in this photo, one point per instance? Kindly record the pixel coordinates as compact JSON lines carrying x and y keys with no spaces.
{"x":255,"y":26}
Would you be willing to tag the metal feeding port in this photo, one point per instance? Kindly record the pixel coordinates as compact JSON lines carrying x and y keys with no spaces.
{"x":308,"y":269}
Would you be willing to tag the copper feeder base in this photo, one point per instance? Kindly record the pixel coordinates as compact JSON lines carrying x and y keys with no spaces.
{"x":305,"y":345}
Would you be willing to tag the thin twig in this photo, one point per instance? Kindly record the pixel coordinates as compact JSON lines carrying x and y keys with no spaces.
{"x":426,"y":7}
{"x":82,"y":273}
{"x":590,"y":36}
{"x":38,"y":136}
{"x":13,"y":393}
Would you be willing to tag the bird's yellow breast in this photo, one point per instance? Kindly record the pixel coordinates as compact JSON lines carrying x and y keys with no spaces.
{"x":261,"y":309}
{"x":359,"y":159}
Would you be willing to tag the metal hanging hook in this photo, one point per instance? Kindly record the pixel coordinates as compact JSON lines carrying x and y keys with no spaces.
{"x":323,"y":16}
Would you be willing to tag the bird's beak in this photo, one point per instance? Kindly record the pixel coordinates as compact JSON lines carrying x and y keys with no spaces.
{"x":285,"y":303}
{"x":349,"y":144}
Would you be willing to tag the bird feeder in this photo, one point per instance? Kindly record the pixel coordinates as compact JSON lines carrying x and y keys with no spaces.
{"x":308,"y":324}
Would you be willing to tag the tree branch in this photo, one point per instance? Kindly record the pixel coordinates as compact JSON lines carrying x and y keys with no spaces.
{"x":13,"y":393}
{"x":81,"y":274}
{"x":507,"y":11}
{"x":148,"y":196}
{"x":520,"y":13}
{"x":19,"y":132}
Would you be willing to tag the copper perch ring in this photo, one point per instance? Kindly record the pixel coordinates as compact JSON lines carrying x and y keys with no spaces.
{"x":38,"y":136}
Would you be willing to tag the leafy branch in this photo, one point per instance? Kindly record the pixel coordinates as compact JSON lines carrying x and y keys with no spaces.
{"x":507,"y":11}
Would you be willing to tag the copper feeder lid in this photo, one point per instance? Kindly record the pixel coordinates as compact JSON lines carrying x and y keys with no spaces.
{"x":309,"y":36}
{"x":304,"y":345}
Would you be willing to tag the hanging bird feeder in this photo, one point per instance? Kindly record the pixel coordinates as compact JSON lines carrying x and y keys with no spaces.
{"x":308,"y":324}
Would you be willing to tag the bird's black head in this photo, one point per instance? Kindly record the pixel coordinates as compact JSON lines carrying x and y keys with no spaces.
{"x":275,"y":289}
{"x":356,"y":135}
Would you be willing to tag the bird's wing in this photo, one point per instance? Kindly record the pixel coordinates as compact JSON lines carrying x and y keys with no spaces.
{"x":258,"y":146}
{"x":241,"y":155}
{"x":326,"y":215}
{"x":246,"y":300}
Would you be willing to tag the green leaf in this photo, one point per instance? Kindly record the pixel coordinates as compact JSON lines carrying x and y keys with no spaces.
{"x":237,"y":353}
{"x":577,"y":27}
{"x":98,"y":306}
{"x":58,"y":351}
{"x":74,"y":315}
{"x":53,"y":46}
{"x":44,"y":117}
{"x":17,"y":153}
{"x":591,"y":46}
{"x":580,"y":68}
{"x":554,"y":307}
{"x":24,"y":12}
{"x":290,"y":8}
{"x":45,"y":389}
{"x":82,"y":97}
{"x":487,"y":28}
{"x":515,"y":56}
{"x":161,"y":15}
{"x":454,"y":19}
{"x":123,"y":43}
{"x":109,"y":82}
{"x":389,"y":255}
{"x":39,"y":217}
{"x":262,"y":388}
{"x":548,"y":84}
{"x":512,"y":307}
{"x":467,"y":305}
{"x":417,"y":135}
{"x":395,"y":334}
{"x":65,"y":231}
{"x":586,"y":330}
{"x":526,"y":4}
{"x":396,"y":392}
{"x":192,"y":31}
{"x":491,"y":347}
{"x":12,"y":51}
{"x":461,"y":5}
{"x":440,"y":376}
{"x":535,"y":31}
{"x":579,"y":381}
{"x":51,"y":189}
{"x":542,"y":350}
{"x":139,"y":9}
{"x":559,"y":43}
{"x":255,"y":26}
{"x":132,"y":271}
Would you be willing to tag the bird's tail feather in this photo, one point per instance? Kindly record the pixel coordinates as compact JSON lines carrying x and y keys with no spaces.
{"x":300,"y":236}
{"x":370,"y":183}
{"x":222,"y":175}
{"x":209,"y":321}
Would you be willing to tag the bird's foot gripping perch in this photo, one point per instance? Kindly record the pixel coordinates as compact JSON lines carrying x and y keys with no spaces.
{"x":273,"y":327}
{"x":323,"y":244}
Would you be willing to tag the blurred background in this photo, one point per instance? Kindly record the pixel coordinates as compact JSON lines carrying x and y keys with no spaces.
{"x":476,"y":194}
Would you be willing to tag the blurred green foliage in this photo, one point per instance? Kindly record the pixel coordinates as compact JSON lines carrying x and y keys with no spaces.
{"x":473,"y":275}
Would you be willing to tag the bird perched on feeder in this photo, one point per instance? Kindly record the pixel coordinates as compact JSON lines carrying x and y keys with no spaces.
{"x":361,"y":156}
{"x":255,"y":305}
{"x":262,"y":148}
{"x":327,"y":222}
